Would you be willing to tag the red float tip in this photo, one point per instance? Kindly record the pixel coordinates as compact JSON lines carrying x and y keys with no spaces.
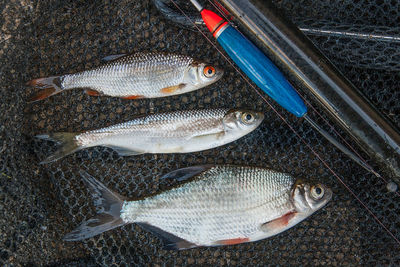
{"x":212,"y":20}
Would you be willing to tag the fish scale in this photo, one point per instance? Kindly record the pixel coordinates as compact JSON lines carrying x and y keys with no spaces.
{"x":223,"y":202}
{"x":172,"y":124}
{"x":216,"y":205}
{"x":139,"y":73}
{"x":170,"y":132}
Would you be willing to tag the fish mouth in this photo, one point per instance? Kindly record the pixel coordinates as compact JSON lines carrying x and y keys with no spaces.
{"x":260,"y":117}
{"x":328,"y":194}
{"x":219,"y":72}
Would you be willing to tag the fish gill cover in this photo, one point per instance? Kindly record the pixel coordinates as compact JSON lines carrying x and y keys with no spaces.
{"x":39,"y":204}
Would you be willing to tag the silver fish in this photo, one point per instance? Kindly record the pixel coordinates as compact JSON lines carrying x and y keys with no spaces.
{"x":140,"y":75}
{"x":172,"y":132}
{"x":217,"y":205}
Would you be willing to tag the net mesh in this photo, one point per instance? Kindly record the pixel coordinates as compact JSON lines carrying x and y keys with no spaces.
{"x":40,"y":203}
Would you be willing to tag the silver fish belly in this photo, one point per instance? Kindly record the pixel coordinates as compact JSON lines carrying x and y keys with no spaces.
{"x":213,"y":206}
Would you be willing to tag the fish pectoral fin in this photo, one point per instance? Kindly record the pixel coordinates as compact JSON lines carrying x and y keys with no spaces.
{"x":278,"y":223}
{"x":172,"y":89}
{"x":170,"y":241}
{"x":92,"y":92}
{"x":123,"y":151}
{"x":217,"y":135}
{"x":233,"y":241}
{"x":113,"y":57}
{"x":186,"y":173}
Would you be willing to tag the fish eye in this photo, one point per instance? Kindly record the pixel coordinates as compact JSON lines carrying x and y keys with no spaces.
{"x":209,"y":71}
{"x":317,"y":192}
{"x":247,"y":118}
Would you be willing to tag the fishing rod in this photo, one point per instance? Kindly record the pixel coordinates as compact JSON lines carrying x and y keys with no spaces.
{"x":282,"y":42}
{"x":263,"y":72}
{"x":302,"y":139}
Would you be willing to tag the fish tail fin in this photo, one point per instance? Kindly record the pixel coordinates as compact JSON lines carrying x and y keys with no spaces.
{"x":68,"y":145}
{"x":48,"y":86}
{"x":108,"y":205}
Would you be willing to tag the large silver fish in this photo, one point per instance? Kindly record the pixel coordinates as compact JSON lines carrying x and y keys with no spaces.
{"x":217,"y":205}
{"x":140,"y":75}
{"x":172,"y":132}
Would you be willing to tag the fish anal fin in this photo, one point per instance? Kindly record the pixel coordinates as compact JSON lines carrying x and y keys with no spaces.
{"x":170,"y":241}
{"x":132,"y":97}
{"x":92,"y":92}
{"x":122,"y":151}
{"x":172,"y":89}
{"x":280,"y":222}
{"x":181,"y":245}
{"x":186,"y":173}
{"x":233,"y":241}
{"x":113,"y":57}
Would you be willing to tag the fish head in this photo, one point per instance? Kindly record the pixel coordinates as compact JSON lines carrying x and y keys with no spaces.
{"x":241,"y":121}
{"x":200,"y":75}
{"x":308,"y":197}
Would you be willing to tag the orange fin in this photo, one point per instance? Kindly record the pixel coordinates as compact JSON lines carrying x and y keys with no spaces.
{"x":233,"y":241}
{"x":48,"y":86}
{"x":131,"y":97}
{"x":280,"y":222}
{"x":42,"y":94}
{"x":92,"y":92}
{"x":36,"y":82}
{"x":172,"y":89}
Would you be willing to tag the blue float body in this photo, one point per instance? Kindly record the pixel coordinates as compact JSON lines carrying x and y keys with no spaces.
{"x":261,"y":70}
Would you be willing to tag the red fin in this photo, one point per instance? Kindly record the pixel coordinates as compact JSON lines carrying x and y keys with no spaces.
{"x":281,"y":221}
{"x":48,"y":86}
{"x":92,"y":92}
{"x":35,"y":82}
{"x":233,"y":241}
{"x":172,"y":89}
{"x":42,"y":94}
{"x":131,"y":97}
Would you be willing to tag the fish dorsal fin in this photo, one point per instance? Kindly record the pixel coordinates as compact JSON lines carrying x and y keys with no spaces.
{"x":186,"y":173}
{"x":113,"y":57}
{"x":170,"y":241}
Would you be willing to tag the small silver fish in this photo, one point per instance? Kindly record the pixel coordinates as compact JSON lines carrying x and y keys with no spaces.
{"x":172,"y":132}
{"x":217,"y":205}
{"x":140,"y":75}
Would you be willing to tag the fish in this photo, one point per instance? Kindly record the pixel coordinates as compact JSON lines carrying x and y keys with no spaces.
{"x":170,"y":132}
{"x":138,"y":75}
{"x":212,"y":205}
